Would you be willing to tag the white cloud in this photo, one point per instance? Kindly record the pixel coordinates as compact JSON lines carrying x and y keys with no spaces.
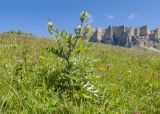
{"x":133,"y":16}
{"x":90,"y":18}
{"x":110,"y":17}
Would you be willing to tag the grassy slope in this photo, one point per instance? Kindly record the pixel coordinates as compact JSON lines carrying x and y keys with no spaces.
{"x":131,"y":80}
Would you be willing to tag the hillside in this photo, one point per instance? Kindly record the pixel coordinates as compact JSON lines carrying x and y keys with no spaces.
{"x":128,"y":79}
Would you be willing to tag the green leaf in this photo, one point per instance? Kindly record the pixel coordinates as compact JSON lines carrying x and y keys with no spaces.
{"x":50,"y":30}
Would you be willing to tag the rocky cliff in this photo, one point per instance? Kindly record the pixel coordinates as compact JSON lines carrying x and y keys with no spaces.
{"x":128,"y":36}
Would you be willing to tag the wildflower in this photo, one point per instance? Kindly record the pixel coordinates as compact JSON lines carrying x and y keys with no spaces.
{"x":20,"y":61}
{"x":120,"y":78}
{"x":50,"y":24}
{"x":108,"y":66}
{"x":129,"y":71}
{"x":83,"y":16}
{"x":41,"y":57}
{"x":78,"y":30}
{"x":136,"y":112}
{"x":50,"y":27}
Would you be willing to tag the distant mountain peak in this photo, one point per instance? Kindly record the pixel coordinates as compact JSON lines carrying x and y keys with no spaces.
{"x":128,"y":36}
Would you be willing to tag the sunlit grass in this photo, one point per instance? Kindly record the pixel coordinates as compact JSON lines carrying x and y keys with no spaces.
{"x":128,"y":79}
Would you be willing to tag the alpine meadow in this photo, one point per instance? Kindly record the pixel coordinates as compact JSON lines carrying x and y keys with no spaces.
{"x":68,"y":74}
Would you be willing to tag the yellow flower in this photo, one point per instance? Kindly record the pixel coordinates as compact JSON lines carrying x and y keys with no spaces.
{"x":42,"y":57}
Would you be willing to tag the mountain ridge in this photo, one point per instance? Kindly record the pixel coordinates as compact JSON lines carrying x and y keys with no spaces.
{"x":128,"y":36}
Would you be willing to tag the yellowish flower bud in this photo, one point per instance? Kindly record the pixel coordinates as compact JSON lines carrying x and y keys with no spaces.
{"x":50,"y":24}
{"x":78,"y":30}
{"x":42,"y":57}
{"x":50,"y":27}
{"x":83,"y":16}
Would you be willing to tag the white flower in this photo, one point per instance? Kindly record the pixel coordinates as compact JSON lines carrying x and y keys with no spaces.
{"x":83,"y":15}
{"x":78,"y":30}
{"x":50,"y":24}
{"x":50,"y":27}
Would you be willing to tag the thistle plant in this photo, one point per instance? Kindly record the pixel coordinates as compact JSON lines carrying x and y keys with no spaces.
{"x":89,"y":31}
{"x":66,"y":44}
{"x":21,"y":68}
{"x":73,"y":77}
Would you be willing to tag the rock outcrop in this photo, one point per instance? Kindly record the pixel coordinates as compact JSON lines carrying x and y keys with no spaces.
{"x":128,"y":36}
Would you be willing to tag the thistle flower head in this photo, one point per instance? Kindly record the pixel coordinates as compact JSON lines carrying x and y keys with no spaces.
{"x":78,"y":30}
{"x":108,"y":66}
{"x":50,"y":27}
{"x":83,"y":15}
{"x":87,"y":28}
{"x":50,"y":24}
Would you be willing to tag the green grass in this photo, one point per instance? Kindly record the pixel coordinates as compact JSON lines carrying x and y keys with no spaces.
{"x":129,"y":79}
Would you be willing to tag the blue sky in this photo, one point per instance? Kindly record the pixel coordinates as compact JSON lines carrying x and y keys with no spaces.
{"x":32,"y":15}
